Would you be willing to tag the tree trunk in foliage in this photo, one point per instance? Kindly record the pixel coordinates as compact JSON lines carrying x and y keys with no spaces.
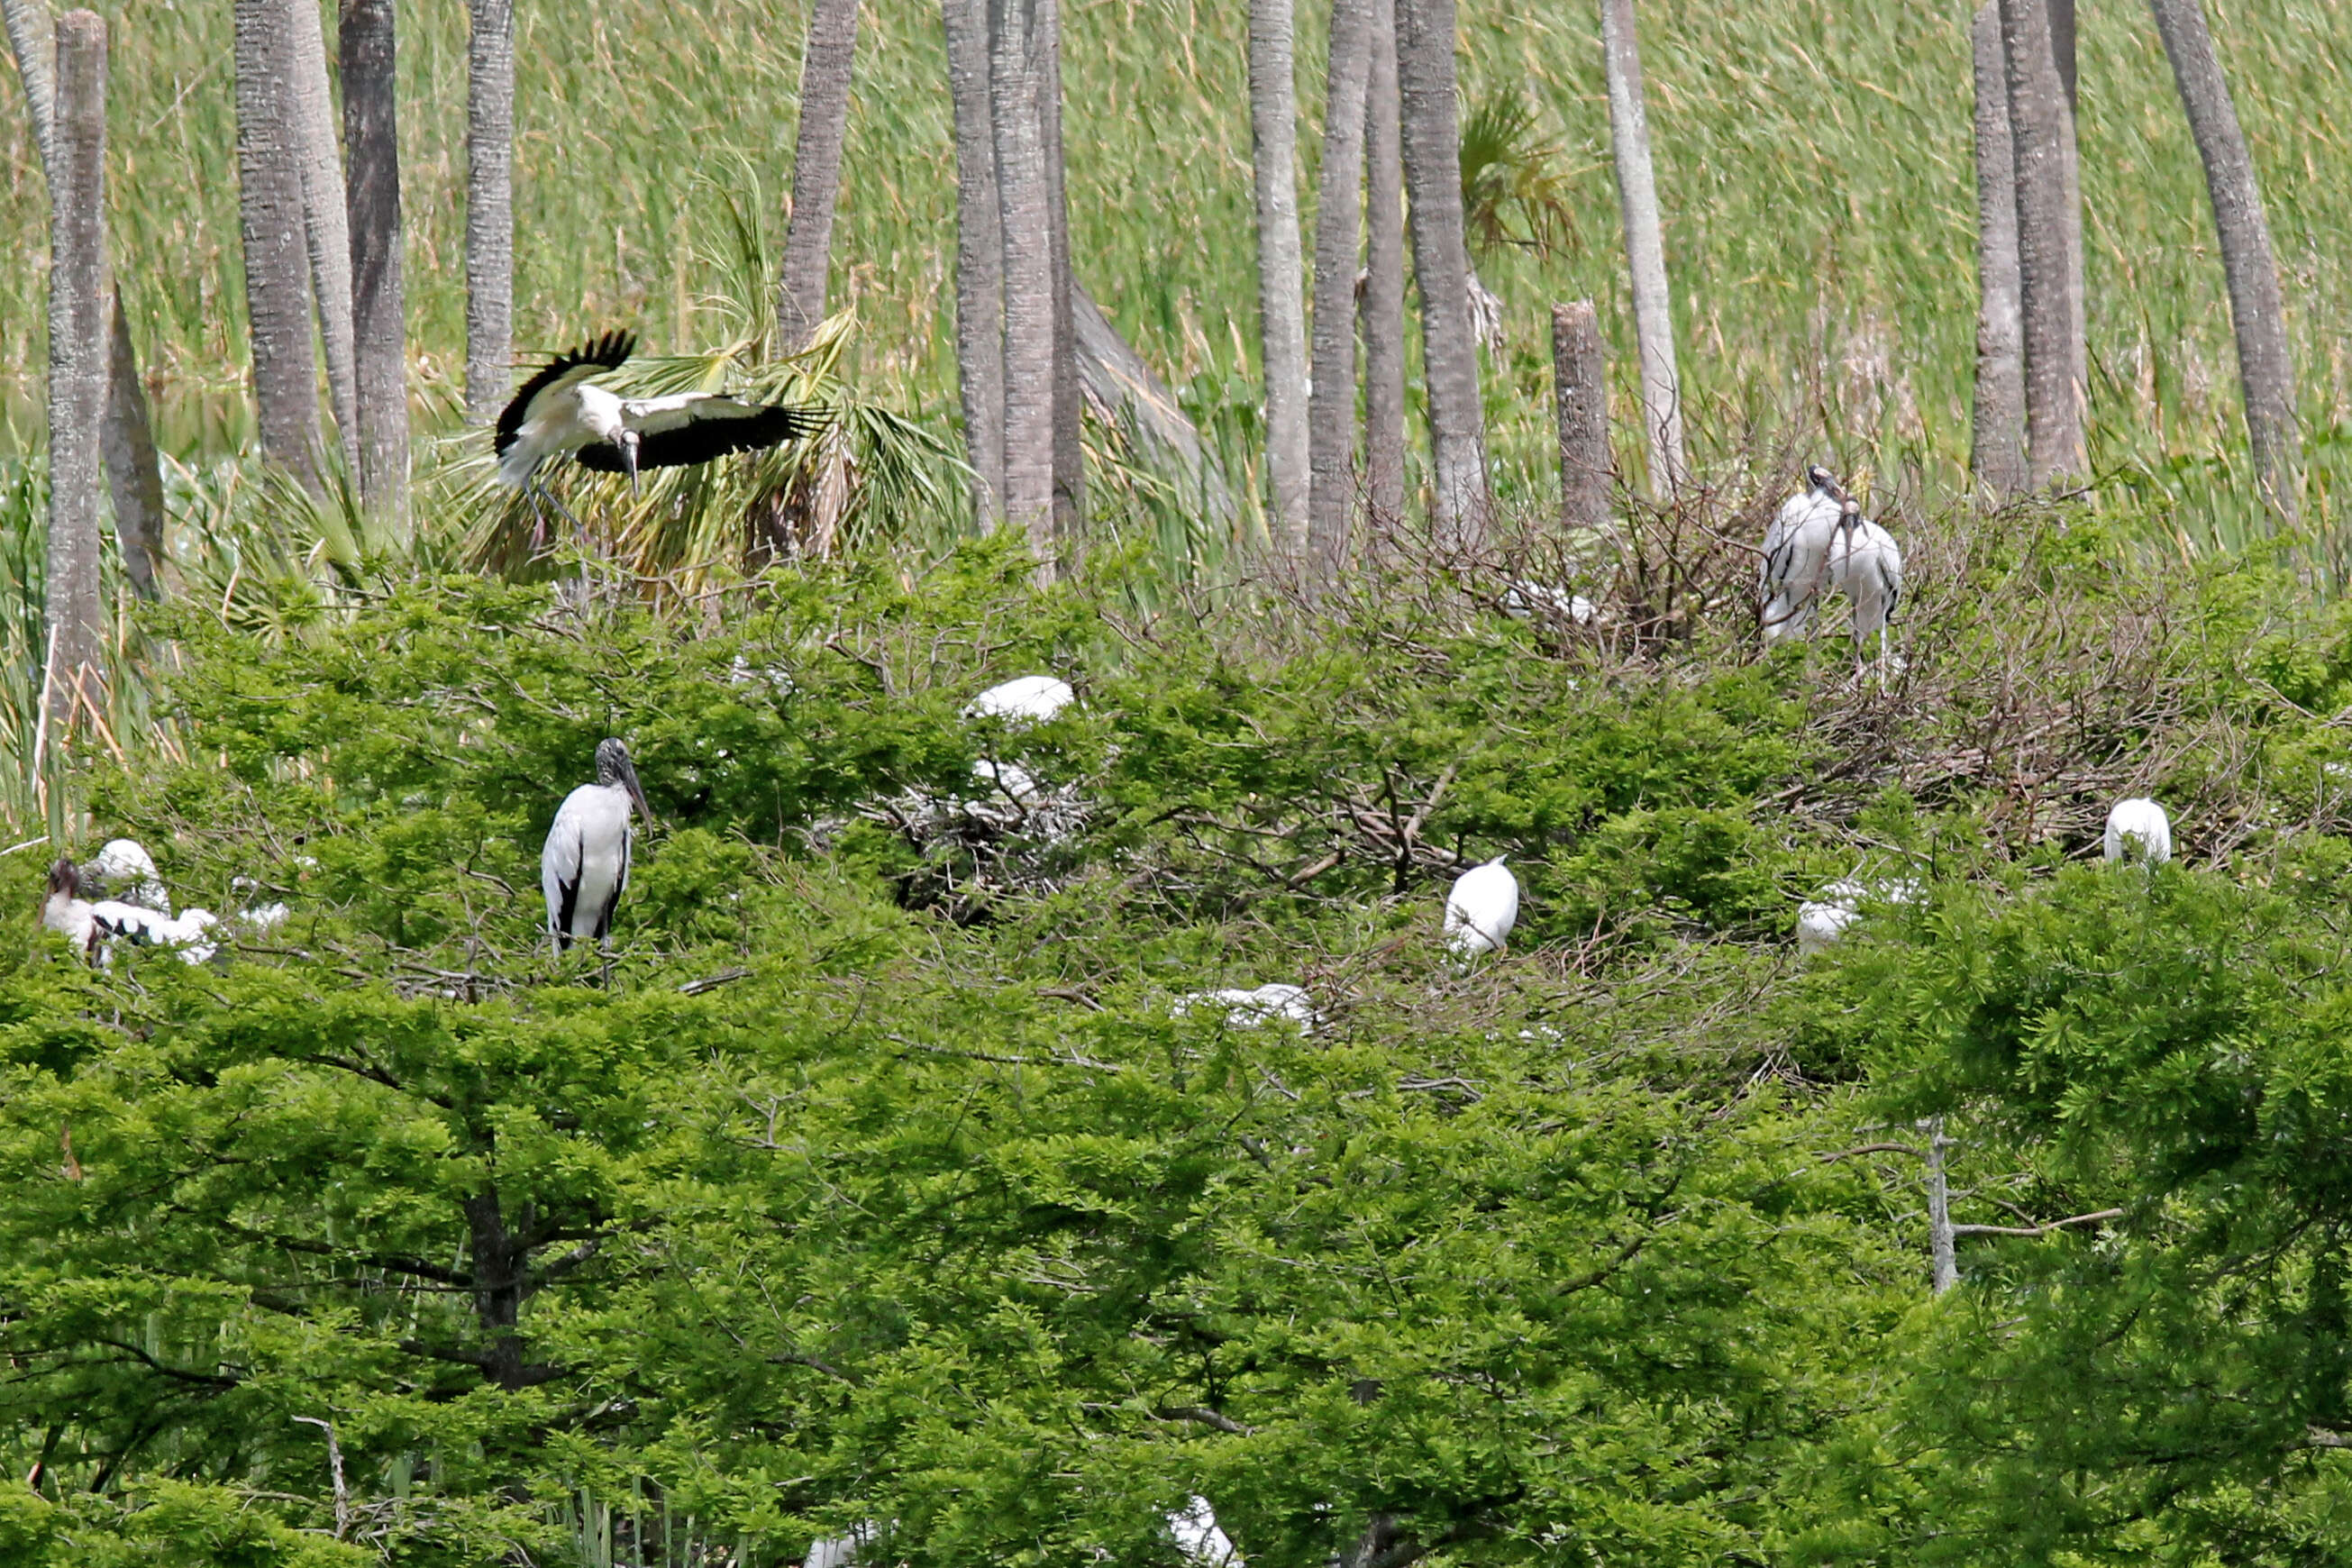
{"x":2042,"y":136}
{"x":1645,"y":250}
{"x":1069,"y":397}
{"x":1282,"y":332}
{"x":1383,"y":304}
{"x":33,"y":39}
{"x":1339,"y":228}
{"x":1580,"y":387}
{"x":78,"y":351}
{"x":980,"y":257}
{"x":1944,"y":1256}
{"x":1432,"y":145}
{"x":367,"y":41}
{"x":133,"y":477}
{"x":269,"y":199}
{"x":816,"y":170}
{"x":1997,"y":436}
{"x":325,"y":216}
{"x":1015,"y":66}
{"x":489,"y":209}
{"x":2266,"y":366}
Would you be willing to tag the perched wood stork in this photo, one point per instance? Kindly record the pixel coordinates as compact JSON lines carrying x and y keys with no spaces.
{"x":585,"y":864}
{"x":562,"y":409}
{"x":2138,"y":830}
{"x":1867,"y":565}
{"x":1527,"y":600}
{"x":1822,"y":920}
{"x":123,"y":870}
{"x":1028,"y":699}
{"x":1262,"y":1004}
{"x":1796,"y":555}
{"x":1481,"y":909}
{"x":95,"y":927}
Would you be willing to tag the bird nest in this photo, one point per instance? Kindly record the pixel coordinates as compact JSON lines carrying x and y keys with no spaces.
{"x":1010,"y":837}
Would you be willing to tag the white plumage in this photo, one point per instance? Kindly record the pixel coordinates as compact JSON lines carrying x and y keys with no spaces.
{"x":1028,"y":699}
{"x":1867,"y":565}
{"x":1261,"y":1004}
{"x":1796,"y":556}
{"x":124,"y":870}
{"x":96,"y":927}
{"x":2137,"y":830}
{"x":1200,"y":1540}
{"x":1525,"y":599}
{"x":1481,"y":909}
{"x":1822,"y":920}
{"x":584,"y":866}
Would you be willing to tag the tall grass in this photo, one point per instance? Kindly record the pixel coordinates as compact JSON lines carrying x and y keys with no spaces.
{"x":1814,"y":157}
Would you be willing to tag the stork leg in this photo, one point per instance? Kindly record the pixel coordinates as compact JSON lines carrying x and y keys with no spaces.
{"x":541,"y":497}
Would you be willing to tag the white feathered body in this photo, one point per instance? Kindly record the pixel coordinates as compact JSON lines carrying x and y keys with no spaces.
{"x":1031,"y":698}
{"x":1261,"y":1004}
{"x":584,"y":866}
{"x":1796,"y":562}
{"x":1482,"y":908}
{"x":1867,"y":565}
{"x":2138,"y":829}
{"x":125,"y":870}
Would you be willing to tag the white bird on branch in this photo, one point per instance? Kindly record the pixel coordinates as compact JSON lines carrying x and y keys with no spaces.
{"x":562,"y":409}
{"x":1867,"y":565}
{"x":2138,"y":830}
{"x":1481,"y":909}
{"x":1263,"y":1005}
{"x":1796,"y":555}
{"x":585,"y":864}
{"x":95,"y":927}
{"x":1822,"y":920}
{"x":1026,"y":700}
{"x":123,"y":870}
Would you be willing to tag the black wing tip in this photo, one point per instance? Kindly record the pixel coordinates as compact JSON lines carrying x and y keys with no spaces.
{"x":609,"y":352}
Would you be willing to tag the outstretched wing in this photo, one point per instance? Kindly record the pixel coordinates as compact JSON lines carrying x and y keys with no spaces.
{"x":607,"y":353}
{"x":696,"y":427}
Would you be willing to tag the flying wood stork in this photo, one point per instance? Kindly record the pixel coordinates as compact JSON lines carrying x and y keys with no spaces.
{"x":585,"y":864}
{"x":1796,"y":555}
{"x":562,"y":409}
{"x":1867,"y":565}
{"x":2138,"y":830}
{"x":1481,"y":909}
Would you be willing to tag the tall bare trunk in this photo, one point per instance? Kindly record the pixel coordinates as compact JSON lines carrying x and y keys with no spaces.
{"x":326,"y":220}
{"x":1580,"y":388}
{"x":78,"y":350}
{"x":368,"y":42}
{"x":1069,"y":395}
{"x":33,"y":39}
{"x":1997,"y":440}
{"x":269,"y":199}
{"x":489,"y":209}
{"x":1645,"y":249}
{"x":1943,"y":1253}
{"x":1384,"y":307}
{"x":1338,"y":230}
{"x":2265,"y":367}
{"x":2043,"y":134}
{"x":816,"y":170}
{"x":1441,"y":263}
{"x":1282,"y":329}
{"x":133,"y":477}
{"x":1016,"y":63}
{"x":980,"y":257}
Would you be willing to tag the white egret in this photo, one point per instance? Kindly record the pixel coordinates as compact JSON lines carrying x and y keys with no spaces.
{"x":1867,"y":565}
{"x":585,"y":864}
{"x":1261,"y":1004}
{"x":2138,"y":830}
{"x":1796,"y":555}
{"x":562,"y":409}
{"x":1481,"y":909}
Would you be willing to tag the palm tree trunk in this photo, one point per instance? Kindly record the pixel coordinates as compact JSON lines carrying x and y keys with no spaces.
{"x":980,"y":257}
{"x":367,"y":38}
{"x":1338,"y":229}
{"x":326,"y":218}
{"x":489,"y":209}
{"x":1996,"y":437}
{"x":269,"y":199}
{"x":1015,"y":65}
{"x":78,"y":351}
{"x":2265,"y":367}
{"x":816,"y":170}
{"x":33,"y":39}
{"x":134,"y":478}
{"x":2043,"y":134}
{"x":1282,"y":327}
{"x":1432,"y":146}
{"x":1581,"y":389}
{"x":1384,"y":307}
{"x":1645,"y":250}
{"x":1069,"y":397}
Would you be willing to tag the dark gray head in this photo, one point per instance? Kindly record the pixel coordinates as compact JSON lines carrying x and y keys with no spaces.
{"x":613,"y":767}
{"x":627,"y":442}
{"x":1820,"y":479}
{"x":1849,"y":514}
{"x":65,"y":876}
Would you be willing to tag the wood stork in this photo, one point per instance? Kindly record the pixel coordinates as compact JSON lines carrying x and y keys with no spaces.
{"x":1527,"y":599}
{"x":562,"y":409}
{"x":1028,"y":699}
{"x":1262,"y":1004}
{"x":95,"y":927}
{"x":1822,"y":920}
{"x":1796,"y":555}
{"x":1867,"y":565}
{"x":585,"y":864}
{"x":1481,"y":909}
{"x":123,"y":870}
{"x":2138,"y":830}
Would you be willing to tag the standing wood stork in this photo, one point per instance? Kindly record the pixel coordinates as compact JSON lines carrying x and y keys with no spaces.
{"x":1796,"y":555}
{"x":1867,"y":565}
{"x":562,"y":409}
{"x":1481,"y":909}
{"x":2137,"y":830}
{"x":585,"y":864}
